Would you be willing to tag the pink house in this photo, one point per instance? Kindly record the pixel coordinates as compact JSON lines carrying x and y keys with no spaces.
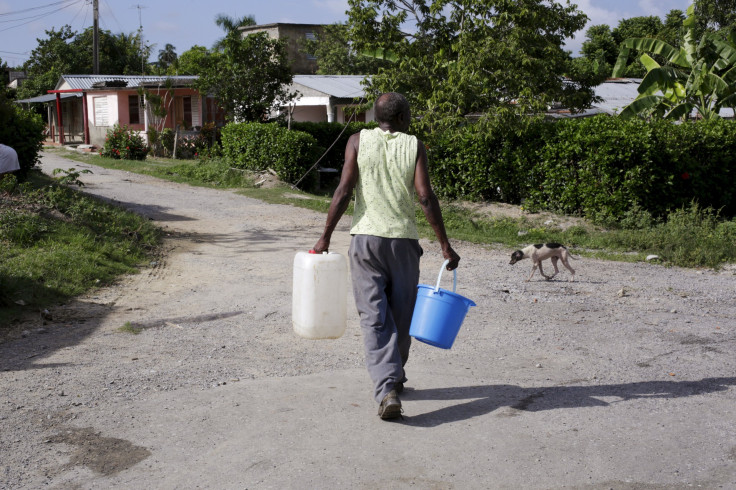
{"x":82,"y":108}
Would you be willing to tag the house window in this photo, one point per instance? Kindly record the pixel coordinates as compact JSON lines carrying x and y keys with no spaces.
{"x":134,"y":109}
{"x":311,"y":37}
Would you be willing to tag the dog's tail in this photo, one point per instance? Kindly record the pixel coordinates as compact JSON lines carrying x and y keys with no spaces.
{"x":569,"y":254}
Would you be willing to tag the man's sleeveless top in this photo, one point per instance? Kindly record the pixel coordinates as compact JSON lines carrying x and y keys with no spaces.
{"x":384,"y":195}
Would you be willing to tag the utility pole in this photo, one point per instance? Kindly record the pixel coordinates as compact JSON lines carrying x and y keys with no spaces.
{"x":96,"y":37}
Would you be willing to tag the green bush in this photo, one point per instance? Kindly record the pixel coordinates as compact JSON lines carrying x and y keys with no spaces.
{"x":327,"y":133}
{"x":491,"y":160}
{"x":260,"y":146}
{"x":699,"y":162}
{"x":598,"y":167}
{"x":602,"y":167}
{"x":23,"y":131}
{"x":122,"y":142}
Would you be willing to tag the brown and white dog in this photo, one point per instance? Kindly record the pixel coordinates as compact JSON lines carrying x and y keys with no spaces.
{"x":543,"y":251}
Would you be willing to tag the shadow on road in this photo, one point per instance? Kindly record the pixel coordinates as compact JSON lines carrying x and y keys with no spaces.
{"x":487,"y":399}
{"x":151,"y":211}
{"x":26,"y":353}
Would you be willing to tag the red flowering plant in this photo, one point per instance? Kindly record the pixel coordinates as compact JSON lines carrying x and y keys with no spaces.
{"x":124,"y":143}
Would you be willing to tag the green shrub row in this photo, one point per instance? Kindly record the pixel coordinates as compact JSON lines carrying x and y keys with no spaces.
{"x":257,"y":147}
{"x":599,"y":167}
{"x":21,"y":130}
{"x":328,"y":133}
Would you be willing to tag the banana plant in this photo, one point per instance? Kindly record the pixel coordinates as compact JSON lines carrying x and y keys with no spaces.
{"x":698,"y":77}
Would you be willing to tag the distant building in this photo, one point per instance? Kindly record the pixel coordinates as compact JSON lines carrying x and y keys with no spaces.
{"x":295,"y":34}
{"x":16,"y":78}
{"x":324,"y":98}
{"x":90,"y":105}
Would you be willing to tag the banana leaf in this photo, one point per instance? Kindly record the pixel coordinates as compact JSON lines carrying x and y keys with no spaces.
{"x":649,"y":45}
{"x":680,"y":111}
{"x":730,"y":76}
{"x":658,"y":79}
{"x":725,"y":51}
{"x":729,"y":101}
{"x":640,"y":105}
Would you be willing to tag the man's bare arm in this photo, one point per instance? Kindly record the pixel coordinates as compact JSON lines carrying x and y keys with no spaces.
{"x":343,"y":194}
{"x":431,"y":206}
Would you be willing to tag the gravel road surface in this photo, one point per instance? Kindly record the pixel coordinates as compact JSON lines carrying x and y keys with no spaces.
{"x":623,"y":379}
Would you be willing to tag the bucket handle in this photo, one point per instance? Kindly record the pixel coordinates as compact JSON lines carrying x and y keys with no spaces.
{"x":439,"y":278}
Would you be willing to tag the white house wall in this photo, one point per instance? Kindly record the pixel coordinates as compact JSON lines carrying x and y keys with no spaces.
{"x":97,"y":133}
{"x":309,"y":114}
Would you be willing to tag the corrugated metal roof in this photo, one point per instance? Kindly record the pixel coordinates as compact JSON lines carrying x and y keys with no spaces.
{"x":342,"y":86}
{"x":86,"y":82}
{"x":616,"y":94}
{"x":46,"y":98}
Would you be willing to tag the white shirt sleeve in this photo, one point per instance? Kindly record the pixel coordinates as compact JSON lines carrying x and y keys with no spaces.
{"x":8,"y":159}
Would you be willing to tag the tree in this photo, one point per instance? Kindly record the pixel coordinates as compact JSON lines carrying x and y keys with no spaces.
{"x":599,"y":51}
{"x":645,"y":26}
{"x":249,"y":76}
{"x":700,"y":75}
{"x":119,"y":54}
{"x":336,"y":56}
{"x":472,"y":56}
{"x":66,"y":51}
{"x":716,"y":15}
{"x":191,"y":61}
{"x":229,"y":25}
{"x":167,"y":57}
{"x":672,"y":31}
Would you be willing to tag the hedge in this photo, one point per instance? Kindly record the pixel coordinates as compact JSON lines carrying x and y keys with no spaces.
{"x":600,"y":167}
{"x":597,"y":167}
{"x":259,"y":146}
{"x":326,"y":133}
{"x":22,"y":130}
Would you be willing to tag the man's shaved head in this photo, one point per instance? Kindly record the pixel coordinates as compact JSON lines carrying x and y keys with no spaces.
{"x":388,"y":106}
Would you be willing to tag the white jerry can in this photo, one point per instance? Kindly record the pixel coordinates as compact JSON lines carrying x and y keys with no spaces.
{"x":319,"y":299}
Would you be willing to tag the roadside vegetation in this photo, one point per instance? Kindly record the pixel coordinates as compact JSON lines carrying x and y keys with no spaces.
{"x":56,"y":243}
{"x":691,"y":236}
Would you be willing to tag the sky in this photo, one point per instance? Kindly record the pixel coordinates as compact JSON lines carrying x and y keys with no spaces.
{"x":185,"y":23}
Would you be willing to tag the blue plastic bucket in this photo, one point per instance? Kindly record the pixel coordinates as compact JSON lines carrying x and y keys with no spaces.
{"x":438,"y":313}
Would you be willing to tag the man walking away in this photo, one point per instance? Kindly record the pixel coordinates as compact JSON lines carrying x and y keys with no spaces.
{"x":385,"y":166}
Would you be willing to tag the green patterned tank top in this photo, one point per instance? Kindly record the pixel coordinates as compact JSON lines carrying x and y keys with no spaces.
{"x":384,"y":194}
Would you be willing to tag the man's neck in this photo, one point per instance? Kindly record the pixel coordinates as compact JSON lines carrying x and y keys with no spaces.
{"x":389,"y":127}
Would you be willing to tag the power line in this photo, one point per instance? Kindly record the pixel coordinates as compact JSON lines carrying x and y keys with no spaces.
{"x":33,"y":8}
{"x":77,"y":15}
{"x":109,"y":9}
{"x":40,"y":16}
{"x":32,"y":17}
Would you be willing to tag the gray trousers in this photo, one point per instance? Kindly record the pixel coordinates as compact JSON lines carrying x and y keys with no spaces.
{"x":385,"y":274}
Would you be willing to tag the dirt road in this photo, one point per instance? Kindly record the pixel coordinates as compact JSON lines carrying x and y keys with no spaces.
{"x":625,"y":378}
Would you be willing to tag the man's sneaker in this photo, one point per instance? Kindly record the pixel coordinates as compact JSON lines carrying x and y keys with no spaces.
{"x":390,"y":406}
